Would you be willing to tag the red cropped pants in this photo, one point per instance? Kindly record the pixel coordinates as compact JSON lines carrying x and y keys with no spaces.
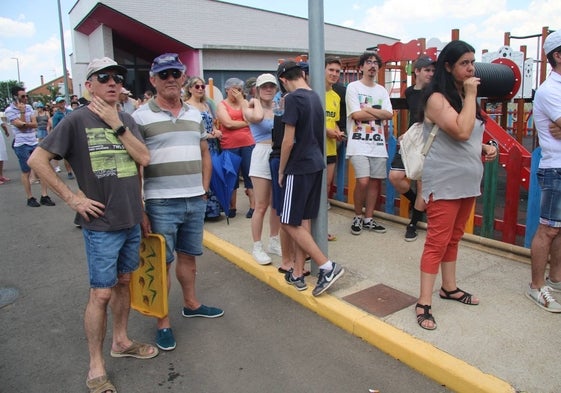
{"x":446,"y":222}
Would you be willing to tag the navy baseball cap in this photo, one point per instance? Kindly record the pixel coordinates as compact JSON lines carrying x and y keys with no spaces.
{"x":167,"y":61}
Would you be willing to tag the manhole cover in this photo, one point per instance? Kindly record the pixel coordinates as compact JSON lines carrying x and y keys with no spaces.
{"x":380,"y":300}
{"x":7,"y":296}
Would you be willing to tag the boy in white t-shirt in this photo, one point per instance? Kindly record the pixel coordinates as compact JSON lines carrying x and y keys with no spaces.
{"x":368,"y":104}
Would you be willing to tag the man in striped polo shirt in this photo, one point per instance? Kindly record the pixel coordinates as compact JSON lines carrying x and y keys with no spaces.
{"x":176,"y":182}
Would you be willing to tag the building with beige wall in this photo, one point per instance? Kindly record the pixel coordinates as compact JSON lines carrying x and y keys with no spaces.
{"x":213,"y":38}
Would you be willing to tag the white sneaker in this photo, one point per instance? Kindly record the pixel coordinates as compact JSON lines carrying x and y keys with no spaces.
{"x":57,"y":169}
{"x":259,"y":255}
{"x":274,"y":246}
{"x":555,"y":286}
{"x":543,"y":298}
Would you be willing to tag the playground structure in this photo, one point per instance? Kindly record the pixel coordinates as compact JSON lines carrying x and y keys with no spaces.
{"x":506,"y":94}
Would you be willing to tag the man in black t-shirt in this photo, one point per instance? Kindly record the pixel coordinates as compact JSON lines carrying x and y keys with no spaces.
{"x":424,"y":70}
{"x":300,"y":174}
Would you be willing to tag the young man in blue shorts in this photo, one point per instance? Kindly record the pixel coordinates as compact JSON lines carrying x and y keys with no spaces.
{"x":300,"y":174}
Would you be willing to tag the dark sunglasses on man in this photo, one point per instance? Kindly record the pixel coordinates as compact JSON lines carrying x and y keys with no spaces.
{"x":166,"y":73}
{"x":103,"y":77}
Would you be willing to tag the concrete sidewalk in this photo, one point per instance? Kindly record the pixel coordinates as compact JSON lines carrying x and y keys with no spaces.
{"x":499,"y":346}
{"x":505,"y":344}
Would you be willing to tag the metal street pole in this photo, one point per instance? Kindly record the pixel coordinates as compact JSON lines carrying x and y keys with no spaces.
{"x":66,"y":92}
{"x":317,"y":76}
{"x":17,"y":62}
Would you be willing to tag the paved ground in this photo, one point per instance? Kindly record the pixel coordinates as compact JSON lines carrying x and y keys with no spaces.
{"x":495,"y":346}
{"x":265,"y":342}
{"x":504,"y":344}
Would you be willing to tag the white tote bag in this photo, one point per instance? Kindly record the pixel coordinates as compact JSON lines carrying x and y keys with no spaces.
{"x":414,"y":149}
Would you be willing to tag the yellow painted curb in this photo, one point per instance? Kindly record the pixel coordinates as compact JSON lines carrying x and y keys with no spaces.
{"x":436,"y":364}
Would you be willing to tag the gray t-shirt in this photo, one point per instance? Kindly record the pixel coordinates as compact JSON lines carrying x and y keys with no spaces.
{"x":104,"y":170}
{"x":453,"y":169}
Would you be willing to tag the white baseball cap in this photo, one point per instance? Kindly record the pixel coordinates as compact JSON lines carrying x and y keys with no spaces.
{"x":265,"y":78}
{"x":97,"y":65}
{"x":552,"y":42}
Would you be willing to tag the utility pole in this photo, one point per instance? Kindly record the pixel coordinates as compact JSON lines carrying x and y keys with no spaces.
{"x":63,"y":51}
{"x":317,"y":74}
{"x":17,"y":62}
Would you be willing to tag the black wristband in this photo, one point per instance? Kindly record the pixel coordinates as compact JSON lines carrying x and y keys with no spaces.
{"x":120,"y":131}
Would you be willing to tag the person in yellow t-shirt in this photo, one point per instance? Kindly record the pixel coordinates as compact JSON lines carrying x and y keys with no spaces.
{"x":332,"y":115}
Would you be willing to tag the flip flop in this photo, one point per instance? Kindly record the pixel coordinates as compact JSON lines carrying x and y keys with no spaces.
{"x":331,"y":238}
{"x":284,"y":271}
{"x":136,"y":350}
{"x":100,"y":385}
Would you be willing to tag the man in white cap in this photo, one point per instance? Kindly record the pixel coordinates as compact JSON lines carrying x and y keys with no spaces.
{"x":128,"y":104}
{"x":106,"y":150}
{"x":176,"y":183}
{"x":547,"y":239}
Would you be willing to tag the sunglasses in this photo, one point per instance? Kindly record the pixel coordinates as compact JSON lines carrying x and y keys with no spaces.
{"x":202,"y":87}
{"x":104,"y":78}
{"x":166,"y":73}
{"x":23,"y":96}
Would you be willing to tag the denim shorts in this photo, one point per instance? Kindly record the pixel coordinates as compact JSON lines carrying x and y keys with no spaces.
{"x":180,"y":221}
{"x":110,"y":254}
{"x":549,"y":180}
{"x":23,"y":153}
{"x":41,"y":133}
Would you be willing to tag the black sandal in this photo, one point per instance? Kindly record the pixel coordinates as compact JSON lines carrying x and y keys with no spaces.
{"x":425,"y":316}
{"x":465,"y":298}
{"x":284,"y":271}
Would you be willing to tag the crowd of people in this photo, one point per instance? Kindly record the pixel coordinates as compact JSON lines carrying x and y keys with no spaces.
{"x":145,"y":167}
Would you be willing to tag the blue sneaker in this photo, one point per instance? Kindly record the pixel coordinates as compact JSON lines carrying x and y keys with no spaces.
{"x":298,"y":282}
{"x":326,"y":278}
{"x":165,"y":340}
{"x":203,"y":311}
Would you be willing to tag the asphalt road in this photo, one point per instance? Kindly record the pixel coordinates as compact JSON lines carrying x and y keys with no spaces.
{"x":265,"y":342}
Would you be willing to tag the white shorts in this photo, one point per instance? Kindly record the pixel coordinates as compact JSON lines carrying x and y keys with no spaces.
{"x":372,"y":167}
{"x":259,"y":166}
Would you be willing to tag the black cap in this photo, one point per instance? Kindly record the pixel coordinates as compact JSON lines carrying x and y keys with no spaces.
{"x":423,"y":61}
{"x":286,"y":66}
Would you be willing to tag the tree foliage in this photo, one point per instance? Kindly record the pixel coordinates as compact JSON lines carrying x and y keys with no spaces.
{"x":5,"y":95}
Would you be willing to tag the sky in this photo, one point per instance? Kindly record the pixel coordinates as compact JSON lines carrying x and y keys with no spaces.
{"x":30,"y":29}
